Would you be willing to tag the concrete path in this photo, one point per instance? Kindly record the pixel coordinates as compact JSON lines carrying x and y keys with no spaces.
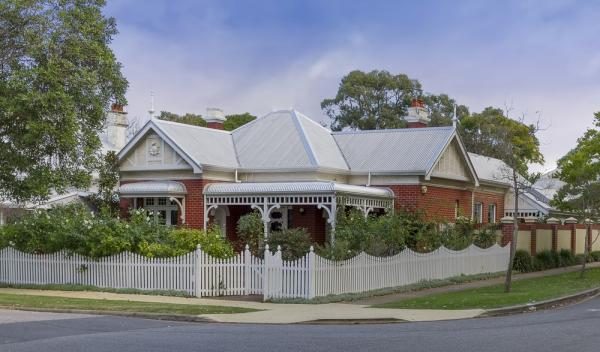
{"x":272,"y":313}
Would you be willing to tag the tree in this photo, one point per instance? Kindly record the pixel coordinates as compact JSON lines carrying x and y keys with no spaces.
{"x":441,"y":109}
{"x":237,"y":120}
{"x":188,"y":118}
{"x":516,"y":144}
{"x":373,"y":100}
{"x":580,"y":170}
{"x":108,"y":179}
{"x":58,"y":77}
{"x":485,"y":133}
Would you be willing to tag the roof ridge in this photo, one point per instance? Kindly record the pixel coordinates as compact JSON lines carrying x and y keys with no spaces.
{"x":304,"y":137}
{"x":392,"y":130}
{"x":192,"y":126}
{"x":304,"y":117}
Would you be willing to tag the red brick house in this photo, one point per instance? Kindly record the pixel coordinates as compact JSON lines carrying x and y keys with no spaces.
{"x":296,"y":173}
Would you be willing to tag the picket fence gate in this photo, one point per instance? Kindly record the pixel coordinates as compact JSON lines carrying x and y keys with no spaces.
{"x":201,"y":275}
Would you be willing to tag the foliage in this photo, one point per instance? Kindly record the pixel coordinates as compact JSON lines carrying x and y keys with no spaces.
{"x":231,"y":121}
{"x":108,"y":179}
{"x":250,"y":231}
{"x":237,"y":120}
{"x":595,"y":255}
{"x":566,"y":257}
{"x":580,"y":170}
{"x":493,"y":134}
{"x":294,"y":243}
{"x":58,"y":76}
{"x":182,"y":241}
{"x":523,"y":262}
{"x":545,"y":260}
{"x":188,"y":118}
{"x":75,"y":229}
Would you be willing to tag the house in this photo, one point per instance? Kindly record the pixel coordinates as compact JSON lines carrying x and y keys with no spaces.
{"x":534,"y":200}
{"x":113,"y":137}
{"x":296,"y":173}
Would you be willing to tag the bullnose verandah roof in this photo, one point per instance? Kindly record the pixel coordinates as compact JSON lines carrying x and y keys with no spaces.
{"x":274,"y":188}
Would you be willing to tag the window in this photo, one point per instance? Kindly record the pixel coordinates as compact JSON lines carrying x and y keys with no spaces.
{"x":492,"y":213}
{"x":478,"y":213}
{"x":165,"y":212}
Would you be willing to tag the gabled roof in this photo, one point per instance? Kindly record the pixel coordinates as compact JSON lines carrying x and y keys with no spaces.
{"x":491,"y":170}
{"x":286,"y":139}
{"x":408,"y":150}
{"x":199,"y":146}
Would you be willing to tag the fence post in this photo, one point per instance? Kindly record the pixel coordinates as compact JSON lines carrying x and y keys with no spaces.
{"x":266,"y":272}
{"x":198,"y":271}
{"x":311,"y":273}
{"x":247,"y":270}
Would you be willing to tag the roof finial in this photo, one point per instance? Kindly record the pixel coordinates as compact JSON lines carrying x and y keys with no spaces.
{"x":151,"y":111}
{"x":454,"y":118}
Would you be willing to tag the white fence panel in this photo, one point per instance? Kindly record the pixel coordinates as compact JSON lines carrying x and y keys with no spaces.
{"x":124,"y":270}
{"x":197,"y":273}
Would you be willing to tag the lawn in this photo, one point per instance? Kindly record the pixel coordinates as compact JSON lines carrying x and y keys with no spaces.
{"x":47,"y":302}
{"x":523,"y":292}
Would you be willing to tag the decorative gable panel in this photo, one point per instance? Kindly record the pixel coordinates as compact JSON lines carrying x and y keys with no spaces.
{"x":452,"y":164}
{"x":153,"y":153}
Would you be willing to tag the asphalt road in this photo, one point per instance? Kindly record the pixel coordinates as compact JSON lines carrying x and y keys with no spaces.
{"x":575,"y":328}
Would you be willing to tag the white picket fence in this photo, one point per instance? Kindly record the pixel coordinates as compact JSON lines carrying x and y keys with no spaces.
{"x":199,"y":274}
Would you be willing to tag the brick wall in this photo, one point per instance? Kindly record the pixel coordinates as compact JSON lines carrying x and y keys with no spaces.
{"x":312,"y":220}
{"x":438,"y":203}
{"x":490,"y":198}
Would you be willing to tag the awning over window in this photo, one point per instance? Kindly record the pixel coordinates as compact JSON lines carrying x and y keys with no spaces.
{"x":274,"y":188}
{"x":153,"y":189}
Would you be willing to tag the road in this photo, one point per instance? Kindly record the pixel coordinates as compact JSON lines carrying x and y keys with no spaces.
{"x":574,"y":328}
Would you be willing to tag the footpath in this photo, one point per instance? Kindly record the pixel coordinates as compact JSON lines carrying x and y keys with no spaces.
{"x":275,"y":313}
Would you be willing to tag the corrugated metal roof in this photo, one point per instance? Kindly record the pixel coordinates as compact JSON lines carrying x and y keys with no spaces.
{"x":272,"y":142}
{"x":152,"y":188}
{"x":286,"y":139}
{"x":294,"y":188}
{"x":206,"y":146}
{"x":410,"y":150}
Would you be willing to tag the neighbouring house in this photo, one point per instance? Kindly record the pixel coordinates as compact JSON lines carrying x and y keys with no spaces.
{"x":113,"y":137}
{"x":297,"y":173}
{"x":534,"y":201}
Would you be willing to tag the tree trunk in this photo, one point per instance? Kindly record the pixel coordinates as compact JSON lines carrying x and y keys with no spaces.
{"x":513,"y":241}
{"x":585,"y":250}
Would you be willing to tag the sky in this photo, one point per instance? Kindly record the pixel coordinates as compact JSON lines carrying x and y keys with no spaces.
{"x":539,"y":58}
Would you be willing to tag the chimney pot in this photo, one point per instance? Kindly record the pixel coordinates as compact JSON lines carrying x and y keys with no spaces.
{"x":214,"y":118}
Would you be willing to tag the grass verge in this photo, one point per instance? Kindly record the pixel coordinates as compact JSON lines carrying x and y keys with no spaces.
{"x":47,"y":302}
{"x":68,"y":287}
{"x":523,"y":292}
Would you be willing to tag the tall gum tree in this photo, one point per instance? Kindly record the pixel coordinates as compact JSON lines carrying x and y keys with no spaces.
{"x":58,"y":77}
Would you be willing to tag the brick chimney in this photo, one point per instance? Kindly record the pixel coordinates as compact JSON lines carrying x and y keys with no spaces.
{"x":116,"y":126}
{"x":214,"y":118}
{"x":418,"y":115}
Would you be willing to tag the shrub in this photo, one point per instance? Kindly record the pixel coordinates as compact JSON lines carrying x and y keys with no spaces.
{"x":545,"y":260}
{"x":77,"y":230}
{"x":486,"y":237}
{"x":523,"y":261}
{"x":295,"y":243}
{"x":595,"y":255}
{"x":566,"y":257}
{"x":250,"y":231}
{"x":181,"y":241}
